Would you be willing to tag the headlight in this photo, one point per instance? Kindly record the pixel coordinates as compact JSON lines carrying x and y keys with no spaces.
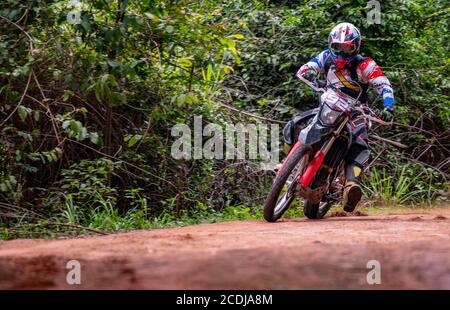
{"x":328,"y":115}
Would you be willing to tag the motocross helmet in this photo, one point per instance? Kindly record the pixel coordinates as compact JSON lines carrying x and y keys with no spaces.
{"x":344,"y":41}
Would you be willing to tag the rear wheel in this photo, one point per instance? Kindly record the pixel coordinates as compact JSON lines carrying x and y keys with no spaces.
{"x":316,"y":210}
{"x":311,"y":210}
{"x":283,"y":189}
{"x":324,"y":207}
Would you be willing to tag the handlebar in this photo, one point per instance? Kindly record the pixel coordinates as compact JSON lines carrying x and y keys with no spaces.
{"x":372,"y":116}
{"x":310,"y":84}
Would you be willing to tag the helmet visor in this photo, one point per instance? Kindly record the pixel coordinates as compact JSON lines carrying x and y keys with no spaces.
{"x":343,"y":48}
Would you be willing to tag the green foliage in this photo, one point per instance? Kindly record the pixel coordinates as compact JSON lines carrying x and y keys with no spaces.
{"x":86,"y":110}
{"x":87,"y":182}
{"x":402,"y":184}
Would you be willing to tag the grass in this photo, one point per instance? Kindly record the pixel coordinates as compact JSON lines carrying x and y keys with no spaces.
{"x":384,"y":209}
{"x":107,"y":219}
{"x":369,"y":207}
{"x":406,"y":184}
{"x":402,"y":190}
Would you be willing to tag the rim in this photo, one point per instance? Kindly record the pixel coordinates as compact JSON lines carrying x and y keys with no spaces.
{"x":285,"y":200}
{"x":324,"y":207}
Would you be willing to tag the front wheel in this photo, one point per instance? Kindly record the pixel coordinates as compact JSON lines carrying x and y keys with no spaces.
{"x":283,"y":189}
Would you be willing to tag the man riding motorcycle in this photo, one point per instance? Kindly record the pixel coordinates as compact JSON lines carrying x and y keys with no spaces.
{"x":341,"y":64}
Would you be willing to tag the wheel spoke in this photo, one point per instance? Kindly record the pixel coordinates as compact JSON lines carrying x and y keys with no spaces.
{"x":288,"y":195}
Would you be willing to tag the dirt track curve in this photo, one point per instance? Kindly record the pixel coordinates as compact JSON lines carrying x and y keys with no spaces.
{"x":412,"y":248}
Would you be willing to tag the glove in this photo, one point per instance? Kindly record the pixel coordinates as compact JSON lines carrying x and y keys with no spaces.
{"x":387,"y":114}
{"x":310,"y":75}
{"x":321,"y":83}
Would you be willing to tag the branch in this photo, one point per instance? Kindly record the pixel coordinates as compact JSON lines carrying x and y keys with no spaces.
{"x":30,"y":39}
{"x":79,"y":227}
{"x":20,"y":101}
{"x":397,"y":144}
{"x":125,"y":162}
{"x":58,"y":224}
{"x":52,"y":118}
{"x":374,"y":160}
{"x":270,"y":120}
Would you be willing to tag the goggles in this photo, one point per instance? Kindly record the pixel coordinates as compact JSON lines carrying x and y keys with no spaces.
{"x":343,"y":48}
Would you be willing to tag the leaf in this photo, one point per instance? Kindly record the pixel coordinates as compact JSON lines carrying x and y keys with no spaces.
{"x":231,"y":44}
{"x":3,"y":187}
{"x":151,"y":16}
{"x":66,"y":124}
{"x":118,"y":98}
{"x":113,"y":63}
{"x":94,"y":137}
{"x":75,"y":126}
{"x":50,"y":157}
{"x":228,"y":69}
{"x":98,"y":91}
{"x":23,"y":113}
{"x":36,"y":115}
{"x":133,"y":140}
{"x":67,"y":94}
{"x":238,"y":36}
{"x":191,"y":99}
{"x":82,"y":134}
{"x":169,"y":29}
{"x":58,"y":151}
{"x":181,"y":99}
{"x":185,"y":62}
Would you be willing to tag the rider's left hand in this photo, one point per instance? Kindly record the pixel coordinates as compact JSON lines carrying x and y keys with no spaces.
{"x":387,"y":114}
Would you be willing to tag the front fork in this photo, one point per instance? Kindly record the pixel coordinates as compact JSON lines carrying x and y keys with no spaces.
{"x":317,"y":161}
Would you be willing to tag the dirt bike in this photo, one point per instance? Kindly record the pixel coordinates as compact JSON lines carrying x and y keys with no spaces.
{"x":314,"y":166}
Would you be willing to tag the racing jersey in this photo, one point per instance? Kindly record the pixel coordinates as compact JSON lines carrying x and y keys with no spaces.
{"x":341,"y":73}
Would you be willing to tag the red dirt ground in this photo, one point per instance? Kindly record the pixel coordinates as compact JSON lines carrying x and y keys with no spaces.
{"x":412,"y":248}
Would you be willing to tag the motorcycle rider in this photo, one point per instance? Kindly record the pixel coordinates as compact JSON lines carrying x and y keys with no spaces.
{"x":342,"y":65}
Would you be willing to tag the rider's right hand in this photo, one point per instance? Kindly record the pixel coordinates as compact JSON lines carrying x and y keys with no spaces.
{"x":310,"y":75}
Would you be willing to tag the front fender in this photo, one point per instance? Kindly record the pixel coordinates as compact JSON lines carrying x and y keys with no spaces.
{"x":314,"y":132}
{"x":294,"y":126}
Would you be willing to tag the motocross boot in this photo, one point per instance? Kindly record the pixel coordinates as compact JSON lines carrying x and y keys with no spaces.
{"x":352,"y":189}
{"x":352,"y":195}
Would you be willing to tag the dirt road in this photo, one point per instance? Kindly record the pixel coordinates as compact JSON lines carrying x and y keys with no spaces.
{"x":413,"y":250}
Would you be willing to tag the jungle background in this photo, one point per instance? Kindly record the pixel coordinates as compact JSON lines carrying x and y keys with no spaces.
{"x":86,"y":109}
